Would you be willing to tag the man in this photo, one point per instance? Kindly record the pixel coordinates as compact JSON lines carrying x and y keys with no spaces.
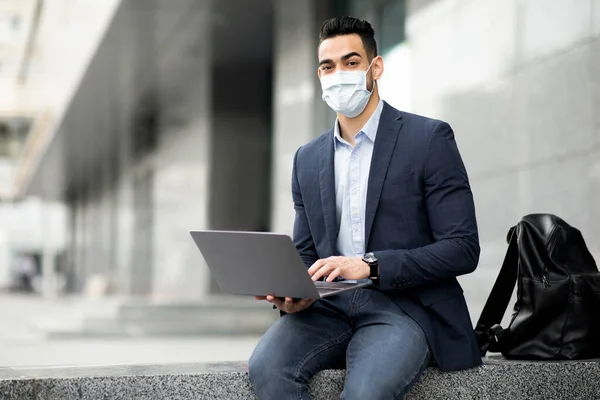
{"x":383,"y":195}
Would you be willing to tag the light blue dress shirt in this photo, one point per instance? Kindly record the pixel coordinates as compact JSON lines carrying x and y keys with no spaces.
{"x":352,"y":166}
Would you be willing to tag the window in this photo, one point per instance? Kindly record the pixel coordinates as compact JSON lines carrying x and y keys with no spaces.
{"x":390,"y":24}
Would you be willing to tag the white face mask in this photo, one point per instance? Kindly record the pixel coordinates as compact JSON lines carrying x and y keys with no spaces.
{"x":346,"y":91}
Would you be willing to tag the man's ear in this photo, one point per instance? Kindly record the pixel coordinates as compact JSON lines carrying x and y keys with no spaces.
{"x":319,"y":72}
{"x":377,"y":67}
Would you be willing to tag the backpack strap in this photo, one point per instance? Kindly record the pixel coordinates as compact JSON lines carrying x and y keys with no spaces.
{"x":488,"y":331}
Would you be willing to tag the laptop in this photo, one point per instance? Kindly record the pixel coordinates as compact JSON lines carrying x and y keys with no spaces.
{"x":262,"y":263}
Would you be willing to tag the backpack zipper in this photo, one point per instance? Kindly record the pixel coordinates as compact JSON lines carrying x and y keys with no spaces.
{"x":550,"y":245}
{"x":545,"y":281}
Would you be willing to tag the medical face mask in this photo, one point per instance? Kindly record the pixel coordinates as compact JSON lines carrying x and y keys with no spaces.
{"x":346,"y":91}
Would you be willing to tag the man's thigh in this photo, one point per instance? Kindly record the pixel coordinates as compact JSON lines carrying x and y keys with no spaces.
{"x":387,"y":353}
{"x":298,"y":345}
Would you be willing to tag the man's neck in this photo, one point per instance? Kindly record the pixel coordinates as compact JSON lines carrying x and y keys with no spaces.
{"x":349,"y":127}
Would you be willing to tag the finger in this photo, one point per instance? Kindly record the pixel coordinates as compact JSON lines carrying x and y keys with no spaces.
{"x":334,"y":274}
{"x":316,"y":265}
{"x":270,"y":298}
{"x":324,"y":270}
{"x":278,"y":303}
{"x":289,"y":303}
{"x":260,"y":297}
{"x":311,"y":270}
{"x":319,"y":273}
{"x":305,"y":302}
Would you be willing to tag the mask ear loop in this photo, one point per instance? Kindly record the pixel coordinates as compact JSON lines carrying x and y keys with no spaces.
{"x":370,"y":65}
{"x":366,"y":72}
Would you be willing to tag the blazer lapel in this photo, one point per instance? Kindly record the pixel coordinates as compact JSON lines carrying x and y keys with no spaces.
{"x":327,"y":186}
{"x":390,"y":124}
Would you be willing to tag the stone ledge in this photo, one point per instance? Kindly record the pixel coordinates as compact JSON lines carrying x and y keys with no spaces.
{"x":496,"y":379}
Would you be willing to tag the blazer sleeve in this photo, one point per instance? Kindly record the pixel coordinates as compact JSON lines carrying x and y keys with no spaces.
{"x":302,"y":237}
{"x":451,"y":214}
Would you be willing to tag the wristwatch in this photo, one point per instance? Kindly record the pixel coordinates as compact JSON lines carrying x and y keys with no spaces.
{"x":371,"y":260}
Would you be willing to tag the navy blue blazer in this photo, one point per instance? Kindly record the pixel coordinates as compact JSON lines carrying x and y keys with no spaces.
{"x":419,"y":221}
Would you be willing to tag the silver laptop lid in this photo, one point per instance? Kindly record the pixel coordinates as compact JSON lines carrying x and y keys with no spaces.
{"x":255,"y":263}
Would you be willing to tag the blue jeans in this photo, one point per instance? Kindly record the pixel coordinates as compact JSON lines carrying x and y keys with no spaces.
{"x":383,"y":350}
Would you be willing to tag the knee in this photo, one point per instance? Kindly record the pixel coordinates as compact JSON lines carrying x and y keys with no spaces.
{"x":258,"y":368}
{"x":268,"y":375}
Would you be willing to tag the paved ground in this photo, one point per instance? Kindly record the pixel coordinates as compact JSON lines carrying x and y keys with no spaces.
{"x":21,"y":344}
{"x":129,"y":351}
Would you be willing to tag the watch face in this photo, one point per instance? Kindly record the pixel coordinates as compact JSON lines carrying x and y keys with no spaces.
{"x":370,"y":257}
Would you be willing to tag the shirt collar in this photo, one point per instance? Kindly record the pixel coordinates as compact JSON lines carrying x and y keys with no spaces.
{"x":369,"y":129}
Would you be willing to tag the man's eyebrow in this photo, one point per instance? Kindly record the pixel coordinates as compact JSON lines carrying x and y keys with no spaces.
{"x":344,"y":58}
{"x":350,"y":55}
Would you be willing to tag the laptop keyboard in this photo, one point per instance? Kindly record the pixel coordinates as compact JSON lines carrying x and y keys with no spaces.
{"x":333,"y":285}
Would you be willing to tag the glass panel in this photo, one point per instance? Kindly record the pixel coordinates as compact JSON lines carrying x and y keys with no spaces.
{"x":339,"y":7}
{"x":391,"y":24}
{"x":358,"y":8}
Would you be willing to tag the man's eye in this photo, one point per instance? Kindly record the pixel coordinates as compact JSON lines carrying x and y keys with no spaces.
{"x":326,"y":67}
{"x":353,"y":63}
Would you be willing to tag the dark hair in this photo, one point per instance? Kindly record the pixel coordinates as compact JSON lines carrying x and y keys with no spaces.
{"x":339,"y":26}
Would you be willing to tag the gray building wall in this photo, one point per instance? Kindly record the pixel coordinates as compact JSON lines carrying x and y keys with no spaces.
{"x":519,"y":82}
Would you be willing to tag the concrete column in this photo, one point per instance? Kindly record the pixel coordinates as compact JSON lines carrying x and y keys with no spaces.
{"x":134,"y":55}
{"x":182,"y":159}
{"x":123,"y":187}
{"x":49,"y":277}
{"x":49,"y":281}
{"x":124,"y":235}
{"x":53,"y":226}
{"x":79,"y":242}
{"x":241,"y":137}
{"x":298,"y":112}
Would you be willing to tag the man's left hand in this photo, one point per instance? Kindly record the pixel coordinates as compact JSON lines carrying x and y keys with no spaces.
{"x":346,"y":267}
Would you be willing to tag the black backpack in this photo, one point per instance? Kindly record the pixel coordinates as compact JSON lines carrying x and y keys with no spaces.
{"x":557,"y":313}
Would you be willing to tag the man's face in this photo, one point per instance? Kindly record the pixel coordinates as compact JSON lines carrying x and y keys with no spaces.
{"x":347,"y":53}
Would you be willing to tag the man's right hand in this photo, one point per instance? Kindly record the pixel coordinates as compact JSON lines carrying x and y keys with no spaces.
{"x":288,"y":306}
